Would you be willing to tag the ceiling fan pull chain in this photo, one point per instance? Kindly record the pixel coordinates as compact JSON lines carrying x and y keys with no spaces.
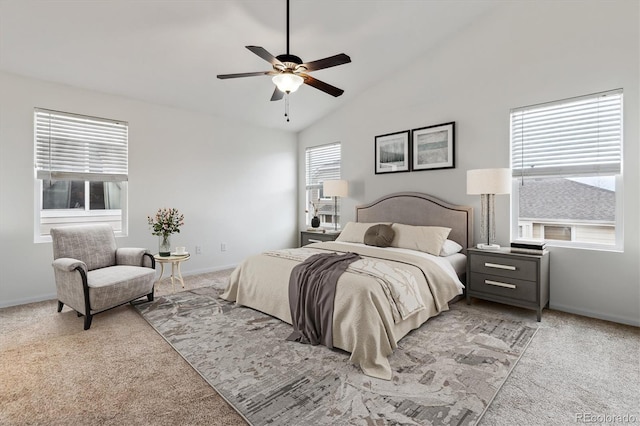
{"x":286,"y":106}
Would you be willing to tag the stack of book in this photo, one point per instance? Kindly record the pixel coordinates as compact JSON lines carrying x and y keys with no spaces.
{"x":528,"y":246}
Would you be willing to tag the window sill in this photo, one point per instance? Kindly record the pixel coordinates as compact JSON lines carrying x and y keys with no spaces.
{"x":39,"y":239}
{"x":586,"y":246}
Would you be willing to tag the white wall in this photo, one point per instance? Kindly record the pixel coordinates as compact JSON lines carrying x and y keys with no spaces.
{"x":524,"y":53}
{"x":235,"y":184}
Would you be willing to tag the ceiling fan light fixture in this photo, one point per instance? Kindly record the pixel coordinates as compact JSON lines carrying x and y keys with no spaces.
{"x":287,"y":82}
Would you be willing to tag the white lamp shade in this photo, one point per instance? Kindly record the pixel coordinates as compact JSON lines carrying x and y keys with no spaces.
{"x":489,"y":181}
{"x":287,"y":82}
{"x":335,"y":188}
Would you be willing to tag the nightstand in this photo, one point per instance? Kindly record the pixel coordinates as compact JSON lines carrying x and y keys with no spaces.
{"x":508,"y":277}
{"x":308,"y":237}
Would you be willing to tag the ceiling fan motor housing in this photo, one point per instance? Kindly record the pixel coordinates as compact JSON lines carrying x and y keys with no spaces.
{"x":289,"y":61}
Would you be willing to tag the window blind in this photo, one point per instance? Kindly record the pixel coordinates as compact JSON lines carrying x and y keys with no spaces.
{"x":76,"y":147}
{"x":580,"y":136}
{"x":322,"y":163}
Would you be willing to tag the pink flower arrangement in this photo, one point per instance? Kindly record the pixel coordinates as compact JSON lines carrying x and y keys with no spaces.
{"x":166,"y":222}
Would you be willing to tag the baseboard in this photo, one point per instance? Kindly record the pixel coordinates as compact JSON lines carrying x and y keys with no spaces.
{"x":206,"y":270}
{"x":597,"y":315}
{"x":24,"y":301}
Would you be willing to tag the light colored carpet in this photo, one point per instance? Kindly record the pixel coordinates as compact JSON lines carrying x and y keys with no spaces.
{"x":575,"y":368}
{"x":122,"y":372}
{"x":119,"y":372}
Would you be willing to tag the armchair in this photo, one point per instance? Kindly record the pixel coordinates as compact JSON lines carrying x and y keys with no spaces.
{"x":93,"y":275}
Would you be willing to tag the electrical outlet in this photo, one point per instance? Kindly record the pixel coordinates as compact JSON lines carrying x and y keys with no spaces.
{"x":223,"y":246}
{"x":198,"y":250}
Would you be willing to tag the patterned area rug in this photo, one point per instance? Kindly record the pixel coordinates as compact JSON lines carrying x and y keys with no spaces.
{"x":445,"y":373}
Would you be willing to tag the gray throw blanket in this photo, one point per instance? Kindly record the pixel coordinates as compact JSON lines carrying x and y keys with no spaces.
{"x":312,"y":290}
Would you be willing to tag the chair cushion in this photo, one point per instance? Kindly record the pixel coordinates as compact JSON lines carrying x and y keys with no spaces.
{"x":95,"y":245}
{"x":112,"y":286}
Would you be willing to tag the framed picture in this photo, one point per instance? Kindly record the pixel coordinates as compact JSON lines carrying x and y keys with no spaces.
{"x":392,"y":152}
{"x":434,"y":147}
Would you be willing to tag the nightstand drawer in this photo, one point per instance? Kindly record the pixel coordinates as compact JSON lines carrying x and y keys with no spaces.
{"x":509,"y":267}
{"x":499,"y":286}
{"x":307,"y":237}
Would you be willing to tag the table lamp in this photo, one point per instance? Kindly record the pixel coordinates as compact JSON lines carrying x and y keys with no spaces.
{"x":335,"y":189}
{"x":487,"y":183}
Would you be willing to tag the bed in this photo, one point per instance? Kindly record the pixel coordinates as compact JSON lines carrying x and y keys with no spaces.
{"x":366,"y":322}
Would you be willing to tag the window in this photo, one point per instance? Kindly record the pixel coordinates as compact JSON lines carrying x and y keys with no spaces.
{"x":81,"y":174}
{"x":567,"y":168}
{"x":322,"y":163}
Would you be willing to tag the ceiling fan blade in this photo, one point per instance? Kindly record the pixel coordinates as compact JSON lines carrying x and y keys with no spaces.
{"x":321,"y":85}
{"x":260,"y":51}
{"x":244,"y":74}
{"x":277,"y":95}
{"x":329,"y":62}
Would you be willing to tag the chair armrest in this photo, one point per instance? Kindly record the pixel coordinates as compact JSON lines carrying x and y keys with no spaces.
{"x":71,"y":284}
{"x":68,"y":264}
{"x":132,"y":256}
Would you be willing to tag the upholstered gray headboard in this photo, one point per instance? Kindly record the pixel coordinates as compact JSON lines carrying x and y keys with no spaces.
{"x":414,"y":208}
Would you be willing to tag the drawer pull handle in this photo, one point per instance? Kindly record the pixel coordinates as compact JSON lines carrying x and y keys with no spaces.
{"x":499,"y":266}
{"x":499,"y":284}
{"x":311,"y":240}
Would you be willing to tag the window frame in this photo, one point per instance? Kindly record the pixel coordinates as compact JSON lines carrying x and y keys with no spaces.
{"x":319,"y":187}
{"x":77,"y":215}
{"x":618,"y":245}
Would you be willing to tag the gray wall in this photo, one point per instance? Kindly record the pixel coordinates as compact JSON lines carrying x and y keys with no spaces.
{"x":235,"y":184}
{"x":524,"y":53}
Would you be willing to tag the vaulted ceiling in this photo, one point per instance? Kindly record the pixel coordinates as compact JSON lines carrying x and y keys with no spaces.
{"x":169,"y":52}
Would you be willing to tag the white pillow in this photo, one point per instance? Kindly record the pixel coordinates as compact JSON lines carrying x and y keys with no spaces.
{"x":450,"y":247}
{"x":428,"y":239}
{"x":353,"y":232}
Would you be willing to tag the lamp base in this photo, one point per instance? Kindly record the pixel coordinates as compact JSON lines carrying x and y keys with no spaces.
{"x":488,"y":246}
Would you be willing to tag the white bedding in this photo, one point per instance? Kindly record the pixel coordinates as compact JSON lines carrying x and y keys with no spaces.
{"x":363,"y":321}
{"x":454,"y":265}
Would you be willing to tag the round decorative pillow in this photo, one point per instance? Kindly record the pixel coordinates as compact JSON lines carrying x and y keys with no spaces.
{"x":379,"y":236}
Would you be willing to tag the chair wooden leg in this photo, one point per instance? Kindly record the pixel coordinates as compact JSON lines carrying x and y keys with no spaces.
{"x":87,"y":321}
{"x":150,"y":296}
{"x":60,"y":305}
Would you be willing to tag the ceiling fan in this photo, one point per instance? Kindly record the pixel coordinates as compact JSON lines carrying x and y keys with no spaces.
{"x":289,"y":72}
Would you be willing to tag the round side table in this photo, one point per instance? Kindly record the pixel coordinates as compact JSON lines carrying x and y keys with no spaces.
{"x":175,"y":260}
